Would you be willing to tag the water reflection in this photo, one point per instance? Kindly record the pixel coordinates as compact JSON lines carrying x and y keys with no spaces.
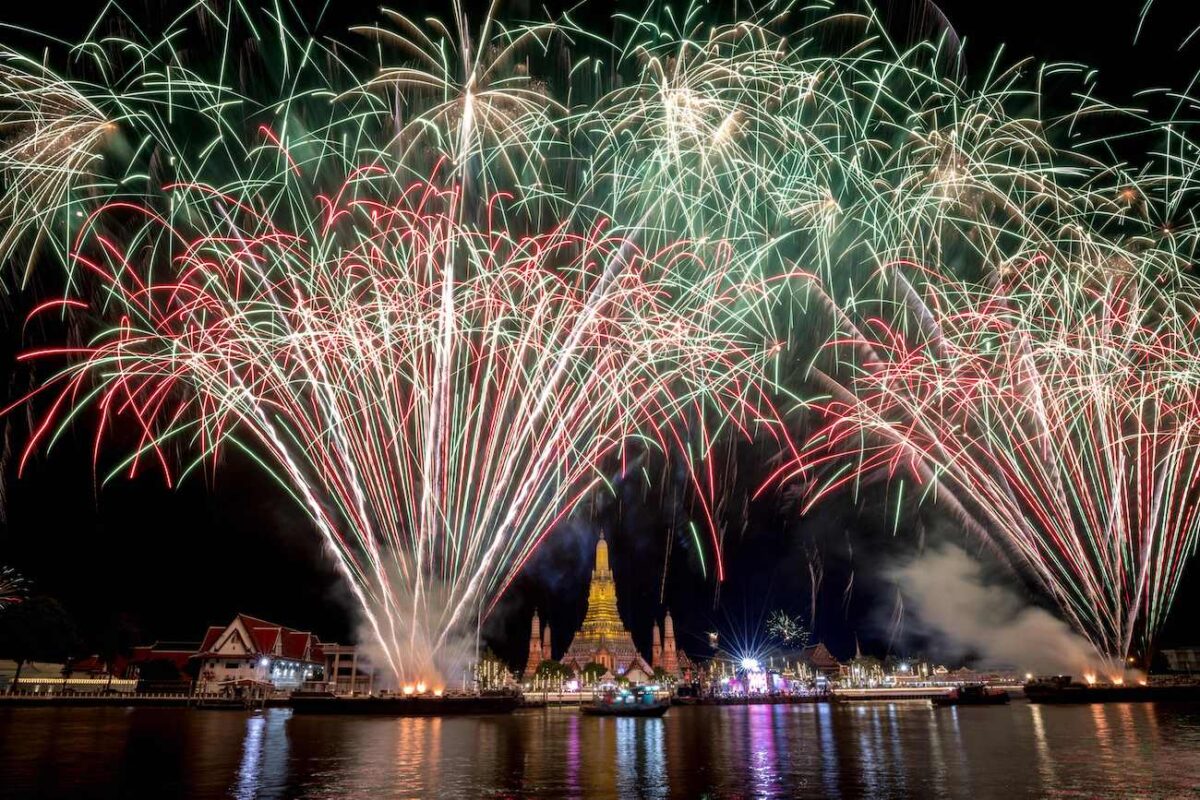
{"x":760,"y":751}
{"x":764,"y":767}
{"x":1045,"y":762}
{"x":574,"y":749}
{"x":263,"y":769}
{"x":829,"y":753}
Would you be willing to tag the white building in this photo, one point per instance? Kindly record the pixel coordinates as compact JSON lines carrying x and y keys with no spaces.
{"x":253,"y":656}
{"x":347,"y":671}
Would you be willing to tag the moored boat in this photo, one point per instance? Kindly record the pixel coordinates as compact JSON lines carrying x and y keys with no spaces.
{"x":974,"y":694}
{"x":639,"y":701}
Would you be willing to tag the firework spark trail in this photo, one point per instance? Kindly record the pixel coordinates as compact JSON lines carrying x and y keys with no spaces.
{"x":408,"y":212}
{"x":338,"y":368}
{"x":13,"y":588}
{"x":1062,"y":410}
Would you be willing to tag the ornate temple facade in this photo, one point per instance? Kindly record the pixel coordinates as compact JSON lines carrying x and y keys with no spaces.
{"x":603,"y":638}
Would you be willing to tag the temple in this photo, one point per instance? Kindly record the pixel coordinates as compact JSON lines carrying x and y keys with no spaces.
{"x":603,"y":638}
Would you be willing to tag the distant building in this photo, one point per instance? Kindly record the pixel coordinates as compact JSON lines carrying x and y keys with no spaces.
{"x":251,"y":655}
{"x":817,"y":660}
{"x":35,"y":676}
{"x":663,"y":654}
{"x":1182,"y":659}
{"x":347,"y":671}
{"x":158,"y":659}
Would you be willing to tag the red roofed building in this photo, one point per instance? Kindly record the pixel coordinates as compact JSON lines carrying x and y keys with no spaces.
{"x":251,"y":652}
{"x":177,"y":654}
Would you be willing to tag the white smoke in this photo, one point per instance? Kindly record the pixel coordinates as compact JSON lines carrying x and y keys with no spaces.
{"x":945,"y":590}
{"x":409,"y":652}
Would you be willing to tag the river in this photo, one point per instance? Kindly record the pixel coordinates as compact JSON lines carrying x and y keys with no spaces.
{"x":847,"y":751}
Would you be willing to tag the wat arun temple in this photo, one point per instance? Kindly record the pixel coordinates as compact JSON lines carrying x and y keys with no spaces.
{"x":603,"y":638}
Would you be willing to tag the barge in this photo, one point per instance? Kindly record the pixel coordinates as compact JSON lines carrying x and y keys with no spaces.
{"x":405,"y":705}
{"x":1063,"y":690}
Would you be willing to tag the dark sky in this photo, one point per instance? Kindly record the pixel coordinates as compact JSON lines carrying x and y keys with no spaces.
{"x":178,"y":560}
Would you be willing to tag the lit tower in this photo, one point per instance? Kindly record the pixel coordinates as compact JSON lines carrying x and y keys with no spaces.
{"x":546,"y":642}
{"x":602,"y":638}
{"x":670,"y":660}
{"x":656,"y":648}
{"x":535,"y":646}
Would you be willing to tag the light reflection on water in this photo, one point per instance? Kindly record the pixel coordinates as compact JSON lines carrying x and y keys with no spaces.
{"x":264,"y":756}
{"x":899,"y":750}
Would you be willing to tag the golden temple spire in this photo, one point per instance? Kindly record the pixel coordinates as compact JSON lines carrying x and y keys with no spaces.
{"x":602,"y":620}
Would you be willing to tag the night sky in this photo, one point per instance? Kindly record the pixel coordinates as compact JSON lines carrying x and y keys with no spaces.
{"x":180,"y":559}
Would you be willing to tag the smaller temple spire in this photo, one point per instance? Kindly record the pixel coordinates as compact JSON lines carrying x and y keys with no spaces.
{"x":670,"y":659}
{"x":535,"y":646}
{"x":656,"y":648}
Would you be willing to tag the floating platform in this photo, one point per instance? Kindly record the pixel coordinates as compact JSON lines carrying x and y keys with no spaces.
{"x":972,"y":695}
{"x":1059,"y":693}
{"x":891,"y":694}
{"x":752,"y":700}
{"x":625,"y":710}
{"x":400,"y":706}
{"x":226,"y":704}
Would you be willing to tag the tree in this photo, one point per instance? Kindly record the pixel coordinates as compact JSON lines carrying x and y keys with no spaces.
{"x":491,"y":672}
{"x":592,"y":672}
{"x":159,"y":673}
{"x":662,"y":676}
{"x":117,"y":639}
{"x":865,"y":668}
{"x":551,"y":670}
{"x":38,"y":629}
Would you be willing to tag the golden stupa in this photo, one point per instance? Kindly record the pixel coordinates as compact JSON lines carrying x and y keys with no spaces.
{"x":602,"y":637}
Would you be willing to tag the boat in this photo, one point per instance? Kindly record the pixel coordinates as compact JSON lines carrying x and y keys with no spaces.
{"x":416,"y":705}
{"x":971,"y":694}
{"x":638,"y":701}
{"x":222,"y":704}
{"x":1062,"y":690}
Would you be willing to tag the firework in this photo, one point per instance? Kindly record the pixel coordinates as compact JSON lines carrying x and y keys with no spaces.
{"x":789,"y":631}
{"x":12,"y":587}
{"x":1057,"y":415}
{"x":436,"y":396}
{"x":447,"y":279}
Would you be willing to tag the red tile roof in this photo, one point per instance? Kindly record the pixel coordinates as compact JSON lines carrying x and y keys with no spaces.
{"x":179,"y":656}
{"x":210,"y":637}
{"x":91,"y":664}
{"x":265,"y":635}
{"x":264,"y":638}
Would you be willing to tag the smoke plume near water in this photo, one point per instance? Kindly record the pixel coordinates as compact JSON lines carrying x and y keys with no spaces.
{"x":945,"y":591}
{"x":405,"y":641}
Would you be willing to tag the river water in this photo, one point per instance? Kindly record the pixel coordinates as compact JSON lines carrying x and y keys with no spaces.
{"x":850,"y":751}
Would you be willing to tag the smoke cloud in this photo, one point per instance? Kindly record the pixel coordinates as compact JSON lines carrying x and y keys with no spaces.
{"x":404,"y":648}
{"x":945,"y":590}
